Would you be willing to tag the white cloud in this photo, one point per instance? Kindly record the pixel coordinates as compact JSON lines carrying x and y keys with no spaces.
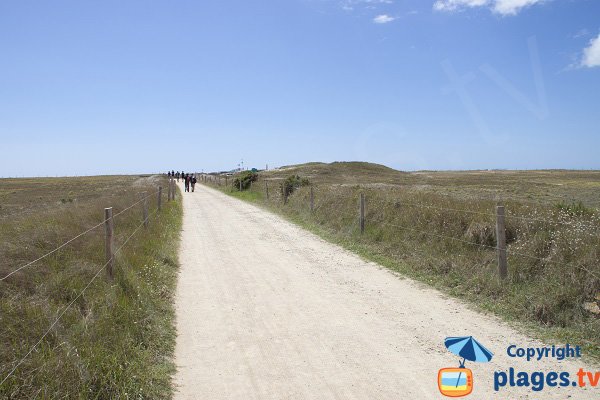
{"x":383,"y":19}
{"x":451,"y":5}
{"x":503,"y":7}
{"x":511,"y":7}
{"x":591,"y":54}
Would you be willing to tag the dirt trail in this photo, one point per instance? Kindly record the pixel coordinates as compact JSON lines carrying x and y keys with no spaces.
{"x":266,"y":310}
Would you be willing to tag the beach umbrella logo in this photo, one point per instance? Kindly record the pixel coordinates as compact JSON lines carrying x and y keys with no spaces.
{"x":458,"y":382}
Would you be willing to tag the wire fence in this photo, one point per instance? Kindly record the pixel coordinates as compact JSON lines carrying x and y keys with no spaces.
{"x":274,"y":191}
{"x":110,"y":257}
{"x":58,"y":248}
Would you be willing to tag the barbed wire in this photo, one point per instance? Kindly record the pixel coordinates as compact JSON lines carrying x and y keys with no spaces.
{"x":441,"y":236}
{"x":547,"y":221}
{"x":545,"y":260}
{"x":415,"y":205}
{"x":135,"y":204}
{"x":55,"y":250}
{"x":64,"y":310}
{"x":73,"y":239}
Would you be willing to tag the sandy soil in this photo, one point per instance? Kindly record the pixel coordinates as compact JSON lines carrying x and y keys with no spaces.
{"x":266,"y":310}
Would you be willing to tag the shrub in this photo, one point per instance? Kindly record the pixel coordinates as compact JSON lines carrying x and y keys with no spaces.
{"x":292,"y":183}
{"x":247,"y":177}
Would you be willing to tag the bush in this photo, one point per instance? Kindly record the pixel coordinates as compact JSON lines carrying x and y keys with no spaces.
{"x":292,"y":183}
{"x":247,"y":177}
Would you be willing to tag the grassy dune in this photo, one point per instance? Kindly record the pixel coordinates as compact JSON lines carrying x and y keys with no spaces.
{"x":439,"y":227}
{"x":117,"y":339}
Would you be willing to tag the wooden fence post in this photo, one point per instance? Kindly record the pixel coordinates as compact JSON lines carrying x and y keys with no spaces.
{"x":267,"y":189}
{"x":226,"y":179}
{"x":145,"y":205}
{"x":109,"y":241}
{"x":159,"y":204}
{"x":362,"y":213}
{"x":285,"y":194}
{"x":312,"y":199}
{"x":501,"y":242}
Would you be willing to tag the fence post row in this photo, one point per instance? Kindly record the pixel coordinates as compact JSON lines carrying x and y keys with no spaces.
{"x":501,"y":242}
{"x":145,"y":208}
{"x":109,"y":241}
{"x":362,"y":213}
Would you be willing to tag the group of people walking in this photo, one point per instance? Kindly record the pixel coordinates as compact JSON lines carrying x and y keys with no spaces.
{"x":189,"y":180}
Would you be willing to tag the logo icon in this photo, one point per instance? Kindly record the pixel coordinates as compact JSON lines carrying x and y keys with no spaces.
{"x":458,"y":382}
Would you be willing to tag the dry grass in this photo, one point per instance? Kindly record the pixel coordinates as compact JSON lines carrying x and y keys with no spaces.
{"x":439,"y":227}
{"x":117,"y":339}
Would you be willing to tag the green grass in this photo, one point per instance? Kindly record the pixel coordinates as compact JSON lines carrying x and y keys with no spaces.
{"x":117,"y":340}
{"x":543,"y":296}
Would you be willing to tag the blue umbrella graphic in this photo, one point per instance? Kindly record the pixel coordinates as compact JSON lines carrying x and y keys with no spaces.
{"x":469,"y":349}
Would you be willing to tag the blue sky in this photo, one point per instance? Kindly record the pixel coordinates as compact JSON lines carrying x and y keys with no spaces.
{"x":137,"y":86}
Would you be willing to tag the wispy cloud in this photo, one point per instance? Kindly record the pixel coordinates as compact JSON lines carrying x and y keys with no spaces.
{"x":383,"y":19}
{"x":503,"y":7}
{"x":581,"y":33}
{"x":591,"y":54}
{"x":350,"y":5}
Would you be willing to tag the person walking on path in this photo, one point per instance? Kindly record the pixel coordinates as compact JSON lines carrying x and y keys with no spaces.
{"x":187,"y":183}
{"x":193,"y":182}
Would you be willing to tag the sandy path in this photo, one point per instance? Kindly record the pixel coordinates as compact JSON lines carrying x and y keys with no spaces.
{"x":266,"y":310}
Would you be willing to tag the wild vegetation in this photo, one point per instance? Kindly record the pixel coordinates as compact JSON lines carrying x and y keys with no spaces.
{"x":439,"y":227}
{"x":291,"y":183}
{"x":116,"y":340}
{"x":244,"y":180}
